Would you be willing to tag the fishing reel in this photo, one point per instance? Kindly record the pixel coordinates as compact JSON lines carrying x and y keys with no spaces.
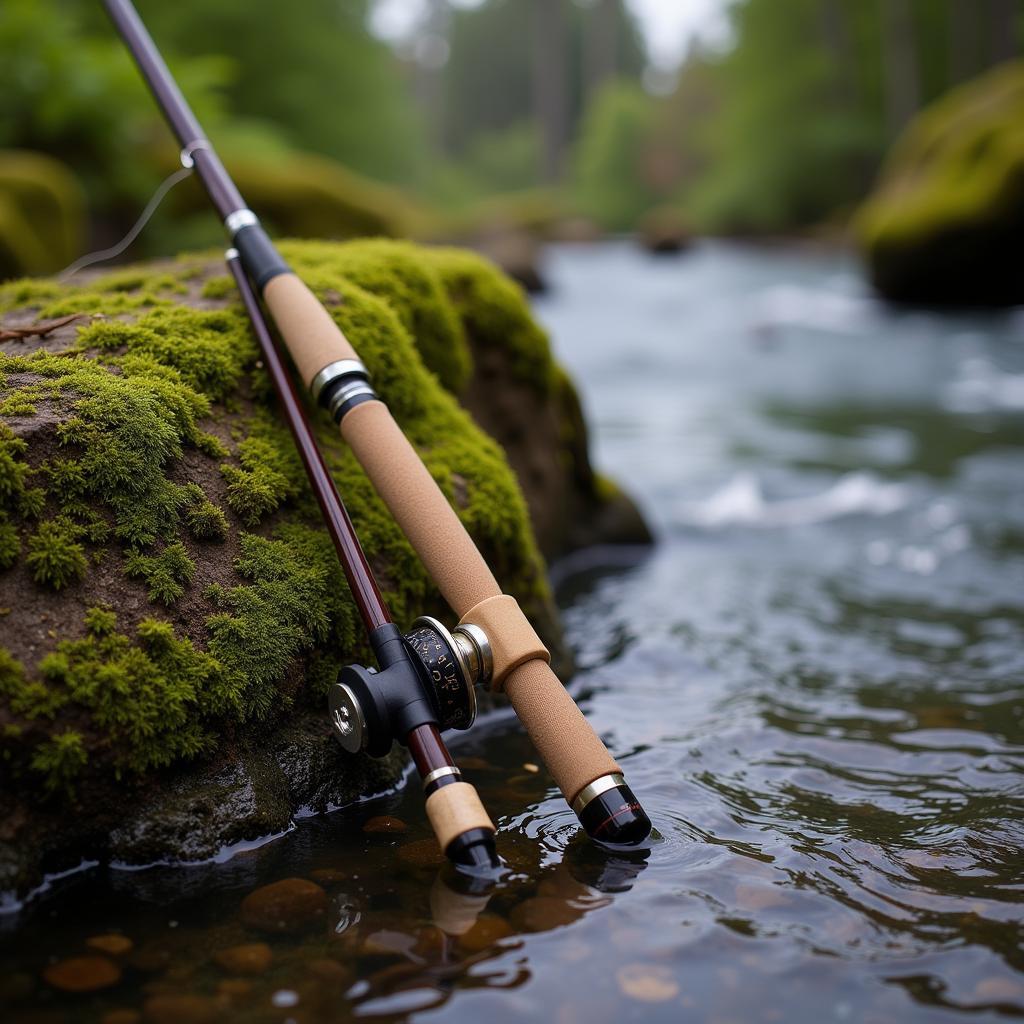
{"x":427,"y":675}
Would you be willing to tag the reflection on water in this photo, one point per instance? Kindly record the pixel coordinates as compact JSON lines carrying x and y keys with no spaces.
{"x":814,"y":683}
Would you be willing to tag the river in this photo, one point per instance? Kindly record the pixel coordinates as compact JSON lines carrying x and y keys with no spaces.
{"x":813,"y":681}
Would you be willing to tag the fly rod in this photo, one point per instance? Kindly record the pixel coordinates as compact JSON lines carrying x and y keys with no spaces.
{"x":407,"y":664}
{"x":493,"y":642}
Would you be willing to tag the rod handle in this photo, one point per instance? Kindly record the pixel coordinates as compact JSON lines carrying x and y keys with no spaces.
{"x":313,"y":339}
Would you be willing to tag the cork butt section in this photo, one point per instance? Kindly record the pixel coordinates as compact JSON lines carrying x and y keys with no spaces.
{"x":567,"y":744}
{"x":454,"y":809}
{"x":312,"y":337}
{"x":420,"y":509}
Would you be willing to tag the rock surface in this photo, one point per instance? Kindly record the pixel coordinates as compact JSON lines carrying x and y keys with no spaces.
{"x":944,"y":225}
{"x":171,"y":611}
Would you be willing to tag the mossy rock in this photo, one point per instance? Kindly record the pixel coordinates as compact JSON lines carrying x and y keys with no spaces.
{"x":944,"y":225}
{"x":171,"y":609}
{"x":41,"y":214}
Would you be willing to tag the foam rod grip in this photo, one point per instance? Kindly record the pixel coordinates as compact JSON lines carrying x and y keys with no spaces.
{"x":567,"y":744}
{"x":313,"y":338}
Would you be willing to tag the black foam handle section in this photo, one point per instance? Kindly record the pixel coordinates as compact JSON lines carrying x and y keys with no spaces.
{"x":260,"y":258}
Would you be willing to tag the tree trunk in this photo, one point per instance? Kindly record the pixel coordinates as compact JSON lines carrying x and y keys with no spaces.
{"x":1003,"y":20}
{"x":965,"y":19}
{"x":902,"y":81}
{"x":550,"y":84}
{"x":600,"y":45}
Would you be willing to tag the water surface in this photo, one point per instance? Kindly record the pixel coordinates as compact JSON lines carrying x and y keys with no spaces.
{"x":813,"y":682}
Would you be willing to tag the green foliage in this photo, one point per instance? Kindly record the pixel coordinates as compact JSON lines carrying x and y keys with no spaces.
{"x":611,"y":183}
{"x":55,"y":557}
{"x":165,"y":573}
{"x":342,"y":94}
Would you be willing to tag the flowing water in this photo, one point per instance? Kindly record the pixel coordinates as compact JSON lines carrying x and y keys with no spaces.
{"x":813,"y":682}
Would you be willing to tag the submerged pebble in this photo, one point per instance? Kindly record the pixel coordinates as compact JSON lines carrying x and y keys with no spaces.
{"x":291,"y":905}
{"x":249,"y":958}
{"x":112,"y":945}
{"x":122,"y":1016}
{"x":82,"y":974}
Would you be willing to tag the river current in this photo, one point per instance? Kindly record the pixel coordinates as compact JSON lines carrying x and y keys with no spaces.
{"x":813,"y":681}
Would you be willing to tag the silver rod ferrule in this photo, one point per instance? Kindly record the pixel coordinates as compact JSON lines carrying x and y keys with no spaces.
{"x":595,"y":789}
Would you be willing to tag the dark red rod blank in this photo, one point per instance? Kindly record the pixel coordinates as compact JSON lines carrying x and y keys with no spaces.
{"x":371,"y":605}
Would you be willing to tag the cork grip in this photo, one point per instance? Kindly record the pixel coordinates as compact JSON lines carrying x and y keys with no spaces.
{"x":420,"y":509}
{"x":563,"y":737}
{"x":312,"y":337}
{"x":567,"y":744}
{"x":455,"y":809}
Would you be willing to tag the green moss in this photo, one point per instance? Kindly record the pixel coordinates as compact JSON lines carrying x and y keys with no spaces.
{"x":270,"y":473}
{"x":135,"y":408}
{"x":10,"y":545}
{"x":942,"y":224}
{"x":55,"y":558}
{"x":205,"y":520}
{"x":59,"y":760}
{"x":166,"y":573}
{"x":397,"y":272}
{"x":494,"y":313}
{"x":218,"y":287}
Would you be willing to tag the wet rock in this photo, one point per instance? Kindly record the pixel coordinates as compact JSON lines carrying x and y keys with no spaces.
{"x":330,"y":974}
{"x":82,"y":974}
{"x":181,"y":1009}
{"x":112,"y":945}
{"x":232,"y":990}
{"x":291,"y":905}
{"x":485,"y":932}
{"x":385,"y":823}
{"x":663,"y":231}
{"x":944,"y":223}
{"x":386,"y":942}
{"x":250,"y":958}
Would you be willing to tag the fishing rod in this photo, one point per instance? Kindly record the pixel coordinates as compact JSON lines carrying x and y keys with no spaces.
{"x":414,"y":708}
{"x":493,"y":642}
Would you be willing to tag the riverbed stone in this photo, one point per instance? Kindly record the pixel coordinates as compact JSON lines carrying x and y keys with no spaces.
{"x":248,"y":958}
{"x":82,"y":974}
{"x":385,"y":823}
{"x":943,"y":225}
{"x":291,"y":905}
{"x":181,"y":1009}
{"x":112,"y":944}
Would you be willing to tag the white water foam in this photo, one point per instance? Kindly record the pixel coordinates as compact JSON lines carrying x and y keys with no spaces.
{"x":982,"y":387}
{"x":741,"y":502}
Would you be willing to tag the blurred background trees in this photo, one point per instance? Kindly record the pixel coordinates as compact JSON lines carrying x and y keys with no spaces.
{"x":493,"y":105}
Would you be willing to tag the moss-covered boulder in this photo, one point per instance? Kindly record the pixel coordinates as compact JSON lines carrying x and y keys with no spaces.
{"x":945,"y":222}
{"x":171,"y":611}
{"x":41,"y":214}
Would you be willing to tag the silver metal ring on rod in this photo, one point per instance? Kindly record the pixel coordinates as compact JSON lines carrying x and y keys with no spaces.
{"x":595,"y":789}
{"x":440,"y":773}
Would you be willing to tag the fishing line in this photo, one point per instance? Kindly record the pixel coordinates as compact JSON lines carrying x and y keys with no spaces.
{"x":102,"y":255}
